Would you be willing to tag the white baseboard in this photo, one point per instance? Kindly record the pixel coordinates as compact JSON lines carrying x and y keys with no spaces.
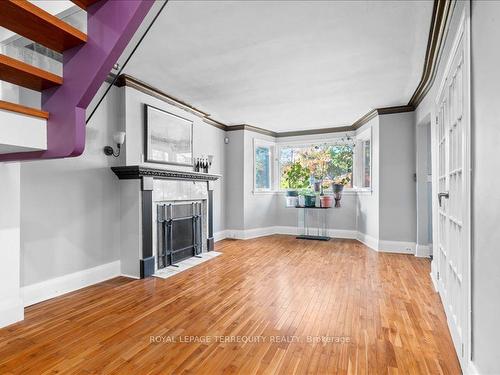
{"x":368,"y":240}
{"x":434,"y":282}
{"x":472,"y":370}
{"x":423,"y":251}
{"x":246,"y":234}
{"x":400,"y":247}
{"x":64,"y":284}
{"x":220,"y":235}
{"x":11,"y":311}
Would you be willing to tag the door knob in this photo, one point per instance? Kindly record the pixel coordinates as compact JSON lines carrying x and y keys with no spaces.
{"x":443,"y":195}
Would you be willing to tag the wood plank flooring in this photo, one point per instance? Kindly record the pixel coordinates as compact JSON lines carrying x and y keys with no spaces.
{"x":272,"y":305}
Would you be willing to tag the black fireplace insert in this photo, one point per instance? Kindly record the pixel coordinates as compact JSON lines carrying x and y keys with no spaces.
{"x":179,"y":232}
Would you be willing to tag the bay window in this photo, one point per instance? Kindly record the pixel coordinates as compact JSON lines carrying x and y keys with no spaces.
{"x":313,"y":165}
{"x":306,"y":165}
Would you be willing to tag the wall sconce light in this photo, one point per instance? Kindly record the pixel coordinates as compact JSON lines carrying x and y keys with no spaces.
{"x":119,"y":139}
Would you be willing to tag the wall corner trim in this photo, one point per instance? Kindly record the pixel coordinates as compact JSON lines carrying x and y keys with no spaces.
{"x":55,"y":287}
{"x":11,"y":311}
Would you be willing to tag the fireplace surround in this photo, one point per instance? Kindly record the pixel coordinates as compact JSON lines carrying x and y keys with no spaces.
{"x":143,"y":190}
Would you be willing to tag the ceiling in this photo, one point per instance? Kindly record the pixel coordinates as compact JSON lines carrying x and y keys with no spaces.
{"x":286,"y":65}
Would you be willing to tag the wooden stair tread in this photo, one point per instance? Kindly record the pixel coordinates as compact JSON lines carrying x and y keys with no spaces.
{"x":84,"y":4}
{"x":22,"y":74}
{"x":28,"y":20}
{"x":13,"y":107}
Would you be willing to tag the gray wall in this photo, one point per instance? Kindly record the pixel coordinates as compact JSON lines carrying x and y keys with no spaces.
{"x":207,"y":140}
{"x":235,"y":180}
{"x":485,"y":23}
{"x":397,"y":214}
{"x":70,"y":207}
{"x":259,"y":208}
{"x":423,"y":191}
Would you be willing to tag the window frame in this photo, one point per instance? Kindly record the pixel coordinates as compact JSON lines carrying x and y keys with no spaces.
{"x":313,"y":142}
{"x":359,"y":159}
{"x":262,"y":143}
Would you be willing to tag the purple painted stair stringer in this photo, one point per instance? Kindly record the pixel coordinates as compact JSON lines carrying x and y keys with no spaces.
{"x":111,"y":25}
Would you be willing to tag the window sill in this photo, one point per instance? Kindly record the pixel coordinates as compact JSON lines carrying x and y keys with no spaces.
{"x":359,"y":191}
{"x":345,"y":192}
{"x":265,"y":192}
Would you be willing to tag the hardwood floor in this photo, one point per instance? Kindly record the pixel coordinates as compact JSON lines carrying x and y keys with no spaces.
{"x":295,"y":306}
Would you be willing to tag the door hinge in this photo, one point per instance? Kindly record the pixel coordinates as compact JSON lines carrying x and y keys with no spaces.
{"x":462,"y":349}
{"x":438,"y":275}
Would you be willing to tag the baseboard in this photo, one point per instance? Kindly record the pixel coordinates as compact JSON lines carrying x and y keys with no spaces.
{"x":11,"y":311}
{"x":247,"y":234}
{"x":64,"y":284}
{"x":472,"y":370}
{"x":423,"y":251}
{"x":220,"y":235}
{"x":368,"y":240}
{"x":434,"y":282}
{"x":400,"y":247}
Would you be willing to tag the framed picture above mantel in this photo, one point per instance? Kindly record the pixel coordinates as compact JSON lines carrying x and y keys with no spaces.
{"x":168,"y":138}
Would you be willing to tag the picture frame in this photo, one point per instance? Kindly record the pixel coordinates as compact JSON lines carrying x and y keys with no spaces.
{"x":168,"y":138}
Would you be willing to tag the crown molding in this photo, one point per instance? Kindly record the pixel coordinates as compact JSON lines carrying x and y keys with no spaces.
{"x":441,"y":15}
{"x":252,"y":128}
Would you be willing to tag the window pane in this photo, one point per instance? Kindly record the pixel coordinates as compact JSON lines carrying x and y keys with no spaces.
{"x":262,"y":168}
{"x":366,"y":164}
{"x":301,"y":166}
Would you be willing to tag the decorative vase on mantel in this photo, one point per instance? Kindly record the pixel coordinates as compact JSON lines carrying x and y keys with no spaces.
{"x":337,"y":193}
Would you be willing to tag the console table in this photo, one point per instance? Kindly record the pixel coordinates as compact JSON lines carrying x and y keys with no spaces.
{"x":313,"y":233}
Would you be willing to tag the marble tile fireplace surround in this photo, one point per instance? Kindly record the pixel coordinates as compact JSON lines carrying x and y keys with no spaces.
{"x":147,"y":195}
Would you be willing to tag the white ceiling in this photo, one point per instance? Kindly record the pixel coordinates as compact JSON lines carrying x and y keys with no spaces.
{"x":286,"y":65}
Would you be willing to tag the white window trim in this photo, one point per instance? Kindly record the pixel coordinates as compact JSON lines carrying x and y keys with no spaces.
{"x":358,"y":167}
{"x":257,"y":142}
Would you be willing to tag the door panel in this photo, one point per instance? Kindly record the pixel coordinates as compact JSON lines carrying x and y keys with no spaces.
{"x":453,"y":250}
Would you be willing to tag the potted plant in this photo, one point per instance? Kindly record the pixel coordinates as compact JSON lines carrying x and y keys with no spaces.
{"x":308,"y":197}
{"x":295,"y":177}
{"x":338,"y":187}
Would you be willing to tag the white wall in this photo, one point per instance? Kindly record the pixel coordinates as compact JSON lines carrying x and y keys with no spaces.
{"x":485,"y":23}
{"x":11,"y":304}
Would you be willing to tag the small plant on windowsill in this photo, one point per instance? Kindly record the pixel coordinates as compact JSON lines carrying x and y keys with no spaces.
{"x":338,"y":187}
{"x":296,"y":177}
{"x":309,"y":197}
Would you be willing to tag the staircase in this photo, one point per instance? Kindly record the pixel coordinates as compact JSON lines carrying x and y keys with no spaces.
{"x":57,"y":129}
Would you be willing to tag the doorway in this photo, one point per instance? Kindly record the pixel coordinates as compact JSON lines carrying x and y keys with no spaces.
{"x":452,"y":193}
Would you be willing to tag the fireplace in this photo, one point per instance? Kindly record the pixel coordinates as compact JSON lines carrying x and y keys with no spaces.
{"x":166,"y":216}
{"x":179,"y":232}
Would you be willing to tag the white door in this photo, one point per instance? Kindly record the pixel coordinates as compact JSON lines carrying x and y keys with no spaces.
{"x":453,"y":163}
